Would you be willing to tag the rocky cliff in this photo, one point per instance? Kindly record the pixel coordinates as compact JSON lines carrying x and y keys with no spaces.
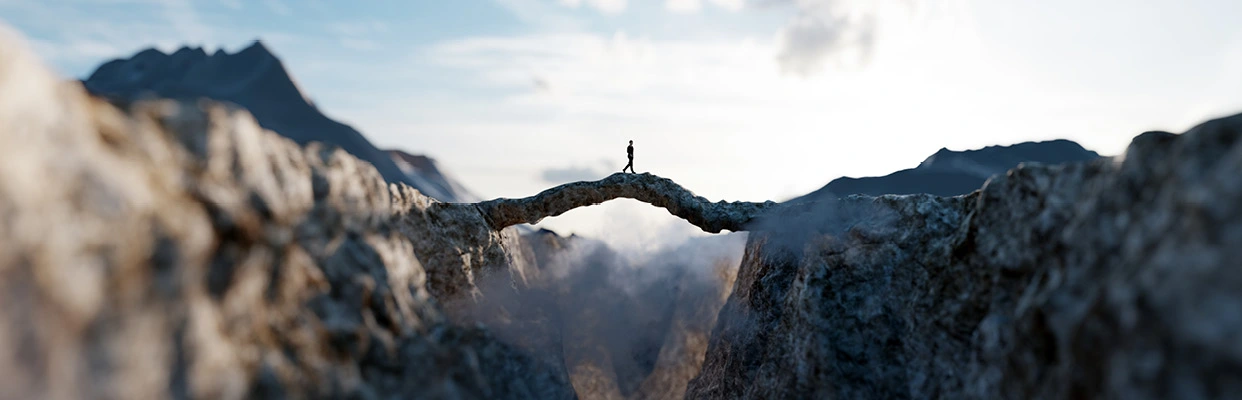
{"x":169,"y":248}
{"x":1116,"y":278}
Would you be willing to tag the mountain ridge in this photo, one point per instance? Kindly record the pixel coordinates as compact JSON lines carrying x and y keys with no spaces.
{"x":256,"y":79}
{"x":953,"y":173}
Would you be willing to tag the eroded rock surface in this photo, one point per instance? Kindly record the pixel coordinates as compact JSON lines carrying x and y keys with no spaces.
{"x":175,"y":249}
{"x":645,"y":187}
{"x":1116,"y":279}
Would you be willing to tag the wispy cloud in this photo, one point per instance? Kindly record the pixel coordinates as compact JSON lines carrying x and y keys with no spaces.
{"x":841,"y":32}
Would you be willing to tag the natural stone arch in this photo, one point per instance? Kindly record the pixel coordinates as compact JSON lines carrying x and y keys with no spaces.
{"x":647,"y":188}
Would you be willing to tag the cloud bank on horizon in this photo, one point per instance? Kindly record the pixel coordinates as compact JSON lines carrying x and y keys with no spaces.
{"x":738,"y":99}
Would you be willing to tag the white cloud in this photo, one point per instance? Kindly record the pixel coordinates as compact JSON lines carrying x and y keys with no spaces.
{"x":840,"y":32}
{"x":604,"y":6}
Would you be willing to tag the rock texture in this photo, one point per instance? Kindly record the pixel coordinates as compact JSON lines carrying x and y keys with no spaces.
{"x":1116,"y":278}
{"x":175,"y":249}
{"x":645,"y":187}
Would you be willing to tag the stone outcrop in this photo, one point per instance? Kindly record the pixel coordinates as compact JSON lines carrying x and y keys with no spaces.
{"x":175,"y":249}
{"x":645,"y":187}
{"x":1116,"y":278}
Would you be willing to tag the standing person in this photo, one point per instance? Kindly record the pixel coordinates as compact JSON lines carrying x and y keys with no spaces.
{"x":629,"y":151}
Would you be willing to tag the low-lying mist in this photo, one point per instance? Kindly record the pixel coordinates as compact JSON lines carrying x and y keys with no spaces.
{"x":630,"y":323}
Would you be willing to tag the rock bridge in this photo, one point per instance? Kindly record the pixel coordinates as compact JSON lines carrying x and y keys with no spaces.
{"x":645,"y":187}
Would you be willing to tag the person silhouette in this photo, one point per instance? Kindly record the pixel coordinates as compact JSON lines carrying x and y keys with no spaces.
{"x":629,"y":152}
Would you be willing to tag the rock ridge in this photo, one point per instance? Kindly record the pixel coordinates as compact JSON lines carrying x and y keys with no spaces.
{"x":645,"y":187}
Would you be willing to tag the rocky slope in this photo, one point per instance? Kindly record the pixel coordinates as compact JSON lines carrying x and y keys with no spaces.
{"x":1116,"y":278}
{"x":256,"y":79}
{"x":952,"y":173}
{"x":169,"y":248}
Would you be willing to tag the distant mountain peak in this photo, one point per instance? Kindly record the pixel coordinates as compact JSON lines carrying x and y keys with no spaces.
{"x":951,"y":173}
{"x":257,"y":80}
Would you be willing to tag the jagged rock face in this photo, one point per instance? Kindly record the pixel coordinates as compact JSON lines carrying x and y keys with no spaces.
{"x":175,"y":249}
{"x":1108,"y":279}
{"x":458,"y":247}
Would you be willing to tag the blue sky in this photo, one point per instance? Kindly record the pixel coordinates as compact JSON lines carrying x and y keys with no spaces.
{"x":736,"y":99}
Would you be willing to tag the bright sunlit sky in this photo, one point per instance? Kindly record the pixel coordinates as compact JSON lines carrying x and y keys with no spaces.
{"x":734,"y":99}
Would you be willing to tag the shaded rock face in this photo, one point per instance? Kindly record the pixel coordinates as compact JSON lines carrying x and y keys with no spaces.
{"x":175,"y":249}
{"x":953,"y":173}
{"x":1115,"y":278}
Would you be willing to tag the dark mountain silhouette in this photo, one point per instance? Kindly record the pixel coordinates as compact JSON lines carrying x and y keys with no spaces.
{"x":255,"y":79}
{"x":952,"y":173}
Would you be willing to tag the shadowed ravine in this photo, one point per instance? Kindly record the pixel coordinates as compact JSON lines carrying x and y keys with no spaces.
{"x":645,"y":187}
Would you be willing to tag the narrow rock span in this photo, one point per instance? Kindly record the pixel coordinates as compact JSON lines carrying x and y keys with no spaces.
{"x":645,"y":187}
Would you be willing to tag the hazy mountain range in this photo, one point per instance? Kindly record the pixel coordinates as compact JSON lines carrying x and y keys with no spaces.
{"x":254,"y":78}
{"x":952,"y":173}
